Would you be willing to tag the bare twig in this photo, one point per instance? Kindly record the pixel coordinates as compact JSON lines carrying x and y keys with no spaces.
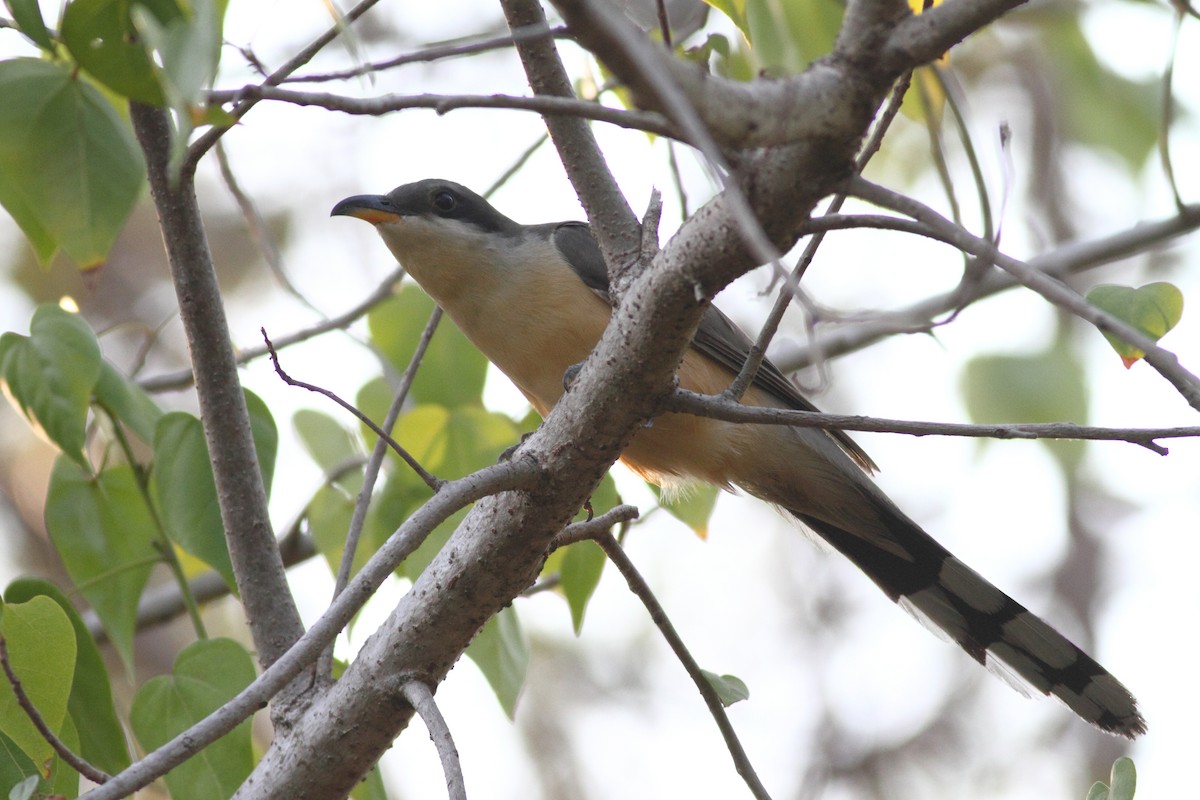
{"x":377,"y":106}
{"x":209,"y":138}
{"x":1060,"y":262}
{"x":259,"y":232}
{"x":770,"y":326}
{"x":637,"y":585}
{"x":183,"y":378}
{"x":75,"y":762}
{"x":1052,"y":290}
{"x":720,"y":408}
{"x":438,"y":52}
{"x":421,"y":699}
{"x":432,"y":481}
{"x":595,"y":527}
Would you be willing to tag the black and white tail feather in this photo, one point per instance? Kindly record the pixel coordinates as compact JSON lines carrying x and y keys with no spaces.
{"x":994,"y":629}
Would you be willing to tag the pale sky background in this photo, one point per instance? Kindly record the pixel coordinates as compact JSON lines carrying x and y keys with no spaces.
{"x":739,"y":597}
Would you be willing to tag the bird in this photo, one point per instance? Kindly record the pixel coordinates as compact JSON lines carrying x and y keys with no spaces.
{"x":535,"y":300}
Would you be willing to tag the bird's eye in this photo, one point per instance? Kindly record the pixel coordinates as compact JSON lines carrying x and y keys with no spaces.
{"x":444,"y":201}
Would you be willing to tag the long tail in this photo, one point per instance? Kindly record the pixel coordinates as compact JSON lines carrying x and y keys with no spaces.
{"x":994,"y":629}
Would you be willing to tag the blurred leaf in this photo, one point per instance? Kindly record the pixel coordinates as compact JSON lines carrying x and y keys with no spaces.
{"x":51,"y":373}
{"x":101,"y":37}
{"x":329,"y":513}
{"x":729,"y":688}
{"x":449,"y":444}
{"x":735,"y":10}
{"x":28,"y":16}
{"x":184,"y":51}
{"x":453,"y":371}
{"x":41,"y":652}
{"x":1127,"y":119}
{"x":502,"y":654}
{"x":104,"y":533}
{"x":265,"y":435}
{"x":207,"y":674}
{"x":101,"y":739}
{"x":183,"y":484}
{"x":329,"y":443}
{"x":693,"y":506}
{"x":186,"y":494}
{"x":1045,"y":387}
{"x":70,"y":171}
{"x":582,"y":566}
{"x":1153,"y":309}
{"x":127,"y":401}
{"x":1122,"y":782}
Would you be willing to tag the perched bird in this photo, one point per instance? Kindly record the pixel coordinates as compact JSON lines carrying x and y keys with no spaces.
{"x":534,"y":299}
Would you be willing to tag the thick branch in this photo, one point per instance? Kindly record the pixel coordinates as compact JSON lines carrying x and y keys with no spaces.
{"x":274,"y":621}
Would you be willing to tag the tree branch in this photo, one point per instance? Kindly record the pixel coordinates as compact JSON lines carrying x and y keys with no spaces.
{"x":453,"y":496}
{"x":1056,"y":292}
{"x":274,"y":620}
{"x":442,"y":104}
{"x":718,"y":407}
{"x":421,"y":699}
{"x":75,"y":762}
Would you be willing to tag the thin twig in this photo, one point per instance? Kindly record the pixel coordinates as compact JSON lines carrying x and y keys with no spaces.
{"x":717,"y":407}
{"x":183,"y":378}
{"x":377,"y":106}
{"x":770,"y":326}
{"x":516,"y":474}
{"x":637,"y":585}
{"x":375,"y":463}
{"x":209,"y":138}
{"x":259,"y":232}
{"x":1061,"y":295}
{"x":77,"y":763}
{"x":421,"y":699}
{"x":438,"y":52}
{"x":432,"y":481}
{"x":595,"y":527}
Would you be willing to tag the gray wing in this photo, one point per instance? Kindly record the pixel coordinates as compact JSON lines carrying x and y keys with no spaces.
{"x":717,"y":336}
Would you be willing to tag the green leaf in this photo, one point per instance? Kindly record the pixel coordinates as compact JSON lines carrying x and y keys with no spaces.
{"x":501,"y":652}
{"x":449,"y":443}
{"x":51,"y":373}
{"x":70,"y":170}
{"x":453,"y":371}
{"x":41,"y":651}
{"x":104,"y":533}
{"x":735,"y":10}
{"x":186,"y":493}
{"x":329,"y":514}
{"x":1153,"y":309}
{"x":184,"y":52}
{"x":266,"y":436}
{"x":729,"y":688}
{"x":330,"y":444}
{"x":101,"y":739}
{"x":28,"y":16}
{"x":582,"y":566}
{"x":1043,"y":387}
{"x":101,"y":37}
{"x":184,"y":487}
{"x":1122,"y":780}
{"x":1099,"y":791}
{"x":206,"y":675}
{"x":693,"y":507}
{"x":128,"y":402}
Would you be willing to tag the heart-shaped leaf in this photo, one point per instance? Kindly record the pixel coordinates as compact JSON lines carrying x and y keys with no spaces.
{"x":1153,"y":309}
